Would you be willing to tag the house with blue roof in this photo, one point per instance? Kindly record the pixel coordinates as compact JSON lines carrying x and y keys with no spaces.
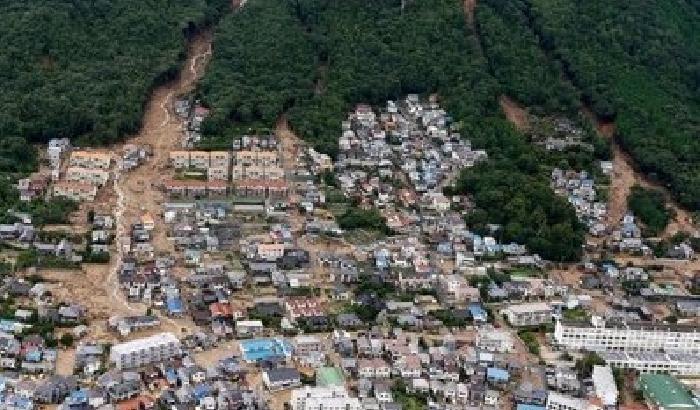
{"x":522,"y":406}
{"x":478,"y":313}
{"x":174,"y":306}
{"x":497,"y":375}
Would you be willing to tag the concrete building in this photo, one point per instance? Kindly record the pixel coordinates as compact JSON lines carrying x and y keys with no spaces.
{"x":92,"y":176}
{"x":494,"y":340}
{"x":681,"y":364}
{"x":77,"y":191}
{"x":323,"y":398}
{"x":528,"y":314}
{"x":600,"y":336}
{"x":663,"y":392}
{"x":604,"y":385}
{"x":147,"y":350}
{"x":90,"y":159}
{"x":558,"y":401}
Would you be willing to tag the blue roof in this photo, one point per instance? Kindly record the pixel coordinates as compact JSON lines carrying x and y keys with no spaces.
{"x":529,"y":407}
{"x":497,"y":373}
{"x":7,"y":325}
{"x":201,"y":390}
{"x":33,"y":356}
{"x":478,"y":312}
{"x":174,"y":305}
{"x":78,"y":397}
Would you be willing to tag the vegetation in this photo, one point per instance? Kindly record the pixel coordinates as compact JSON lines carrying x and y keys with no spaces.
{"x":449,"y":318}
{"x":649,"y":206}
{"x":408,"y":401}
{"x":515,"y":58}
{"x":530,"y":339}
{"x":584,"y":366}
{"x":357,"y":218}
{"x":529,"y":212}
{"x":319,"y":58}
{"x":637,"y":63}
{"x":254,"y":78}
{"x":84,"y":68}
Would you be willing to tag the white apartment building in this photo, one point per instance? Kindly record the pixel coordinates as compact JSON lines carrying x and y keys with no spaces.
{"x":558,"y":401}
{"x":494,"y":340}
{"x":92,"y":176}
{"x":679,"y":364}
{"x":323,"y":398}
{"x":91,"y":159}
{"x":604,"y":385}
{"x":528,"y":314}
{"x":147,"y":350}
{"x":600,"y":336}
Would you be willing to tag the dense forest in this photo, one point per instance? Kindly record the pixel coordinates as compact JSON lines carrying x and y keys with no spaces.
{"x":319,"y":58}
{"x":649,"y":205}
{"x":83,"y":69}
{"x":635,"y":62}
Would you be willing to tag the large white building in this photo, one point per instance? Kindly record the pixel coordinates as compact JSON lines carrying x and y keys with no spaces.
{"x":600,"y":336}
{"x":680,"y":364}
{"x":323,"y":398}
{"x":528,"y":314}
{"x":604,"y":385}
{"x":147,"y":350}
{"x":558,"y":401}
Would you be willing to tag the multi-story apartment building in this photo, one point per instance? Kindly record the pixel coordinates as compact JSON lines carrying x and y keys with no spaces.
{"x":200,"y":159}
{"x":257,"y":158}
{"x":680,"y":364}
{"x":240,"y":171}
{"x":323,"y":398}
{"x":93,"y":176}
{"x":77,"y":191}
{"x":220,"y":159}
{"x":140,"y":352}
{"x":217,"y":173}
{"x":90,"y":159}
{"x":601,"y":336}
{"x":180,"y":159}
{"x":528,"y":314}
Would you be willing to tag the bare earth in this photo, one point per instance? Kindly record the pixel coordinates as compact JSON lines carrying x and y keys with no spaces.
{"x":516,"y":114}
{"x":469,"y":8}
{"x":625,"y":177}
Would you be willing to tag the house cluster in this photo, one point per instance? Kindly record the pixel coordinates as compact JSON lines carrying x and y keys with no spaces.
{"x":559,"y":134}
{"x":86,"y":172}
{"x":73,"y":174}
{"x":251,"y":169}
{"x":191,"y":114}
{"x":23,"y":234}
{"x":580,"y":190}
{"x":407,"y":150}
{"x":133,"y":155}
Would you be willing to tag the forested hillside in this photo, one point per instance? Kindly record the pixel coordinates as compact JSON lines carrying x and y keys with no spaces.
{"x":83,"y":68}
{"x":333,"y":55}
{"x":635,"y":62}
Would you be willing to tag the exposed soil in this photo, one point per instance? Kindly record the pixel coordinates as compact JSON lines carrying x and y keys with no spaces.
{"x":516,"y":114}
{"x":469,"y":9}
{"x":625,"y":177}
